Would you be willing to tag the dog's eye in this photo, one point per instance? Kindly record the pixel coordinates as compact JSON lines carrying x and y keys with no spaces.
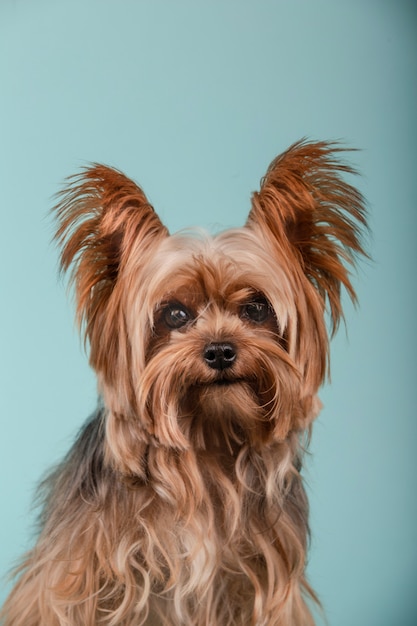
{"x":257,"y":311}
{"x":175,"y":316}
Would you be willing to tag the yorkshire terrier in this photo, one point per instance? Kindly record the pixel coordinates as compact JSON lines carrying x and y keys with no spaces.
{"x":181,"y":502}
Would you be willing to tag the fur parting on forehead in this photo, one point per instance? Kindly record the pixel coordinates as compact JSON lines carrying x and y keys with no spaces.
{"x":230,"y":260}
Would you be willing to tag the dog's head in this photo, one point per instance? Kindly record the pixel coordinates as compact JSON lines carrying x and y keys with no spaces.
{"x":201,"y":340}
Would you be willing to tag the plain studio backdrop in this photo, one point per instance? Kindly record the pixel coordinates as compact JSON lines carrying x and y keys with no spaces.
{"x":193,"y":99}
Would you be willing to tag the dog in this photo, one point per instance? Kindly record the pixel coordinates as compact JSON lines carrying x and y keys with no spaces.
{"x":181,"y":501}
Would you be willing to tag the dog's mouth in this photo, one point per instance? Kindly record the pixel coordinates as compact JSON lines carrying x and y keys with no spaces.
{"x":223,"y":380}
{"x":226,"y":382}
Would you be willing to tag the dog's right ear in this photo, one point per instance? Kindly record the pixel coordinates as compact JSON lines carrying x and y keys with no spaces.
{"x":102,"y":215}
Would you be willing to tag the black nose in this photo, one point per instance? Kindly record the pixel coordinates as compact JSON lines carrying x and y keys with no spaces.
{"x":219,"y":356}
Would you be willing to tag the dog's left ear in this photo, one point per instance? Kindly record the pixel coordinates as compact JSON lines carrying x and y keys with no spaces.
{"x":310,"y":211}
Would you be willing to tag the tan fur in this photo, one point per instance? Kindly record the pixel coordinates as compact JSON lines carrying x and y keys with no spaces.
{"x":181,"y":502}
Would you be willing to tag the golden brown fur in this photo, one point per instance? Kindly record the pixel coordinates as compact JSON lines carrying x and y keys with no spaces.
{"x":181,"y":502}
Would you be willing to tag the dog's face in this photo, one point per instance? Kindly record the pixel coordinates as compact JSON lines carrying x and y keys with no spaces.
{"x":211,"y":341}
{"x":216,"y":336}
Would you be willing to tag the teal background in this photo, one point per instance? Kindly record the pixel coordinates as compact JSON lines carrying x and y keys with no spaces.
{"x":193,"y":99}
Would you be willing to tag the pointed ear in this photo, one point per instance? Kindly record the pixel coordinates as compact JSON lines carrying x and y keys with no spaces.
{"x":305,"y":203}
{"x":101,"y":216}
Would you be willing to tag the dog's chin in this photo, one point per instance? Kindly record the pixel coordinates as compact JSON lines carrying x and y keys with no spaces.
{"x":227,"y":400}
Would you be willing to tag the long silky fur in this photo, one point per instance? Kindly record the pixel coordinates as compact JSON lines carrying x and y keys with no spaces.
{"x":105,"y":542}
{"x":181,"y":502}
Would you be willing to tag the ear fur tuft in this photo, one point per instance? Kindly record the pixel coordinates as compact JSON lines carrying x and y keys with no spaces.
{"x":304,"y":196}
{"x":101,"y":216}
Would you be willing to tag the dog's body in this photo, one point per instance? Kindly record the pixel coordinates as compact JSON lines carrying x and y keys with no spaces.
{"x":181,"y":502}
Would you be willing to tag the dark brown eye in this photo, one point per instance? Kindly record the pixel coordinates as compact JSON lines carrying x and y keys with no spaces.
{"x":175,"y":316}
{"x":257,"y":310}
